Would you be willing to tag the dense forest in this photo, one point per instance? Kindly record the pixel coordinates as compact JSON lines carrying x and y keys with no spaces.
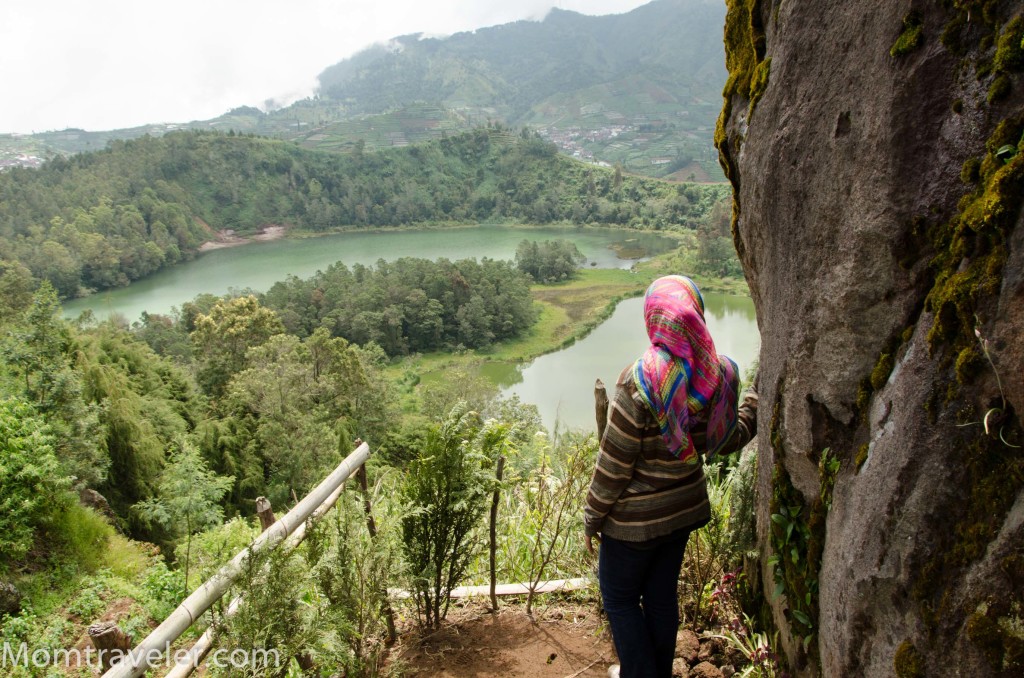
{"x":409,"y":304}
{"x":100,"y":220}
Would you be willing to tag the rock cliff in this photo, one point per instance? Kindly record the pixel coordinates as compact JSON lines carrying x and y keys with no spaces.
{"x":873,"y":150}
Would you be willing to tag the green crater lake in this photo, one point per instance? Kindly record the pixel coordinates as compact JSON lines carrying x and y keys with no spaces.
{"x":259,"y":265}
{"x":560,"y":384}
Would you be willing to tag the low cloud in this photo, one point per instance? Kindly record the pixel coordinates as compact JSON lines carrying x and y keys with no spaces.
{"x":120,"y":63}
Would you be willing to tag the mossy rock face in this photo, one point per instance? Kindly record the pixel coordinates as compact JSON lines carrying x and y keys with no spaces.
{"x":872,"y":266}
{"x":1009,"y":56}
{"x":908,"y":663}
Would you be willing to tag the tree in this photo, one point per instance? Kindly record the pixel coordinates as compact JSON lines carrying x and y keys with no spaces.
{"x":36,"y":353}
{"x":188,"y":497}
{"x":716,"y":253}
{"x":32,"y":487}
{"x":222,"y":337}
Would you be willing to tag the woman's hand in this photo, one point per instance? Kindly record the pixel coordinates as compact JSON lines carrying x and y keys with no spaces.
{"x":590,"y":543}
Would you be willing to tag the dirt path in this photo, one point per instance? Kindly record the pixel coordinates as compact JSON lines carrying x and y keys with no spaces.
{"x":560,"y":643}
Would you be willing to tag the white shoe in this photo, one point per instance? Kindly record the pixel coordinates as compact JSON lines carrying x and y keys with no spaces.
{"x":613,"y":671}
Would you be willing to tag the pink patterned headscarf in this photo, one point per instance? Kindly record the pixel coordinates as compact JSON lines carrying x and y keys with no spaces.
{"x":681,"y":374}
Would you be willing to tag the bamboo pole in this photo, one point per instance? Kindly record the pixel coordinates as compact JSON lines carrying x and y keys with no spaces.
{"x":154,"y":647}
{"x":516,"y":589}
{"x":198,"y":652}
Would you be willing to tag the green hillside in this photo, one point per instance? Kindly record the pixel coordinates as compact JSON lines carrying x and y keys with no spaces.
{"x":100,"y":220}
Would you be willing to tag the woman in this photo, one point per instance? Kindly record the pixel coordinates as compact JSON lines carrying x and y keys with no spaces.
{"x":675,"y":404}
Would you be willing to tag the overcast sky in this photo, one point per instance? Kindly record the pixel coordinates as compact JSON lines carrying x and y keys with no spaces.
{"x":105,"y":64}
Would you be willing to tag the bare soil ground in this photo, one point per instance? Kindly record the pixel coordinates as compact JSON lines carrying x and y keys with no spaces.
{"x":565,"y":642}
{"x":228,"y":238}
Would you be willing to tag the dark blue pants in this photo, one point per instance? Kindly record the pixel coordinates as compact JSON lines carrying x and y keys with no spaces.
{"x":638,"y":586}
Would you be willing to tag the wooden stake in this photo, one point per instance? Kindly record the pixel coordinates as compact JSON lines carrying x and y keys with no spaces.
{"x":110,"y":642}
{"x":266,"y":513}
{"x":494,"y":530}
{"x":601,"y":408}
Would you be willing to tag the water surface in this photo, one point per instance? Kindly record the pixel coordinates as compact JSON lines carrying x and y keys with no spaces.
{"x":561,"y":384}
{"x":259,"y":265}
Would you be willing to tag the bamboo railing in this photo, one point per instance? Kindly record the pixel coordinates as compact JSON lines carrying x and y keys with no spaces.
{"x":152,"y":649}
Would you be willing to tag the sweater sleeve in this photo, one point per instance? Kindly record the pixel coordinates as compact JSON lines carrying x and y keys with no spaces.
{"x":616,"y":459}
{"x":746,"y":424}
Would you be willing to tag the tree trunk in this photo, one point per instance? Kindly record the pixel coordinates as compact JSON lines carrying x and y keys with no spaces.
{"x":110,"y":642}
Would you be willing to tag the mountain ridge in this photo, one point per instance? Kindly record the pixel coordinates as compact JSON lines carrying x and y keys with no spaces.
{"x":639,"y":89}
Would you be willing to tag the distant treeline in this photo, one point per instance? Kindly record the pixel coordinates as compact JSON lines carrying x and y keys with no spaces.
{"x":100,"y":220}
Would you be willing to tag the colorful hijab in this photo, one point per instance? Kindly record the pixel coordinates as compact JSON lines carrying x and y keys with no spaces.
{"x":681,"y":375}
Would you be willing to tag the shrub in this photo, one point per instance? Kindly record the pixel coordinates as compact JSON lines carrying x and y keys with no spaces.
{"x":446,"y":488}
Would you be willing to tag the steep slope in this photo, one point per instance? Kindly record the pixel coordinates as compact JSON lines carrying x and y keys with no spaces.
{"x":878,"y":179}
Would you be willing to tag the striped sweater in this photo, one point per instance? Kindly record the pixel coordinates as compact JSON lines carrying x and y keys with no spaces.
{"x":641,"y":491}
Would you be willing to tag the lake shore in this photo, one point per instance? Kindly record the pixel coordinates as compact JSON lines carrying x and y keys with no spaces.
{"x":228,"y":238}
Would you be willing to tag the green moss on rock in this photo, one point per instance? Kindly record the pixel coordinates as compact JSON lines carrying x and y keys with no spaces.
{"x":908,"y":662}
{"x":862,"y":455}
{"x":970,"y":172}
{"x":986,"y":635}
{"x":999,"y":89}
{"x":884,"y":367}
{"x":1009,"y":54}
{"x":968,"y":363}
{"x":911,"y":38}
{"x":972,"y":246}
{"x":744,"y":52}
{"x":759,"y":82}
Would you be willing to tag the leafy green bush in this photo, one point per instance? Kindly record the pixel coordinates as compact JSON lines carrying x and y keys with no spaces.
{"x":277,"y":620}
{"x":163,"y":589}
{"x":32,"y":490}
{"x":709,"y":550}
{"x":213,"y":548}
{"x":352,"y":570}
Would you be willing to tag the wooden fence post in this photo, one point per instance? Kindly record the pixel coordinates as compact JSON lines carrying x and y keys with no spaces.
{"x":266,"y":513}
{"x":494,"y":532}
{"x":110,"y":642}
{"x":371,"y":527}
{"x":600,"y":408}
